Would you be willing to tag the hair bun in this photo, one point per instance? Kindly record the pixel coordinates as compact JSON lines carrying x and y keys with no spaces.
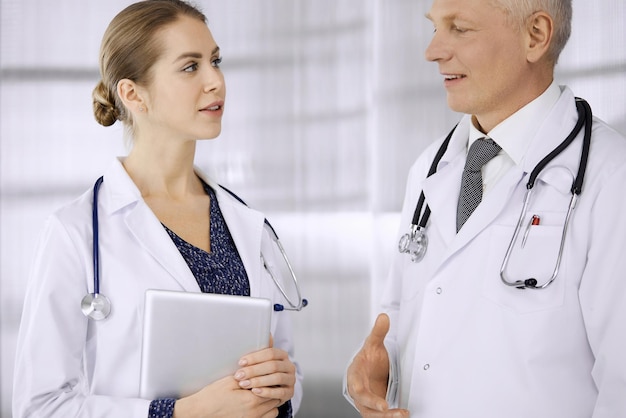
{"x":104,"y":108}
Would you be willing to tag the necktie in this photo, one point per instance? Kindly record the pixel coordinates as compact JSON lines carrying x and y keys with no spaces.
{"x":481,"y":151}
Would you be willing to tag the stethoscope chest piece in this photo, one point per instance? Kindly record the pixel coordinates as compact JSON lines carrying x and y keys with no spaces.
{"x":95,"y":306}
{"x":414,"y":243}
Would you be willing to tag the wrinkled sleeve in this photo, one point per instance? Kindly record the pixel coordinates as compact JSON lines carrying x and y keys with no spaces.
{"x":50,"y":378}
{"x":603,"y":295}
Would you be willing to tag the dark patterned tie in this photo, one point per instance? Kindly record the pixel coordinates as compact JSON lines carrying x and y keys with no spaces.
{"x":481,"y":151}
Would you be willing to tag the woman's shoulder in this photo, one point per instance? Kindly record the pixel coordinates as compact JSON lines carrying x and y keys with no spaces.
{"x":76,"y":214}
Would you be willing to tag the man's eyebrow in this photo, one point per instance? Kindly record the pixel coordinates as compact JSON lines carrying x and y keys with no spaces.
{"x":446,"y":18}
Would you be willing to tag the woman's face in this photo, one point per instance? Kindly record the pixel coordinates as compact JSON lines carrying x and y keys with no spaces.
{"x":185,"y":98}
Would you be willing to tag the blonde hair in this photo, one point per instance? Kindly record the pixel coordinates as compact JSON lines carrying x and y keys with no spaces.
{"x":560,"y":11}
{"x":129,"y":49}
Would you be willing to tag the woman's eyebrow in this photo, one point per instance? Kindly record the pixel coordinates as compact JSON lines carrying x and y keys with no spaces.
{"x":196,"y":55}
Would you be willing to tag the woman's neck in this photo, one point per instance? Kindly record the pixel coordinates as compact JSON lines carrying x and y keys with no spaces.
{"x":163,"y":171}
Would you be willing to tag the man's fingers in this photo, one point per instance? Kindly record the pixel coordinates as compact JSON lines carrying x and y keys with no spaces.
{"x":389,"y":413}
{"x":380,"y":329}
{"x":362,"y":394}
{"x":370,"y":401}
{"x":397,"y":413}
{"x":368,"y":374}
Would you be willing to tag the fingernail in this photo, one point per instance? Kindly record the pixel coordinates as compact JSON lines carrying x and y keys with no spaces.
{"x":256,"y":391}
{"x":244,"y":383}
{"x":243,"y":362}
{"x":239,"y":375}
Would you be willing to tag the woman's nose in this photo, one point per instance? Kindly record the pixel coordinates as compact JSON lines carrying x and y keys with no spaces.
{"x":214,"y":79}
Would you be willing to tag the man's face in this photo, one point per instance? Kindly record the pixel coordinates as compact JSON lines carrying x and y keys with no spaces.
{"x":482,"y":58}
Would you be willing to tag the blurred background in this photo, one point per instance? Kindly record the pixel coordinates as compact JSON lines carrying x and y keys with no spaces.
{"x":329,"y":102}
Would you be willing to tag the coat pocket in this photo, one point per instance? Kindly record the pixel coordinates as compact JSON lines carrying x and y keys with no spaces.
{"x":537,"y":260}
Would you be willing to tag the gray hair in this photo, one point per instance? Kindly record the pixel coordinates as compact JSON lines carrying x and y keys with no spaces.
{"x":560,"y":11}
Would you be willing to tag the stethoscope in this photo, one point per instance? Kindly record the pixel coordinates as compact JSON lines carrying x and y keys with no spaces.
{"x":97,"y":306}
{"x":415,"y":242}
{"x":301,"y":302}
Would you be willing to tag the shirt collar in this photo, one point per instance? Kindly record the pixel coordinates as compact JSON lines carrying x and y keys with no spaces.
{"x":514,"y":133}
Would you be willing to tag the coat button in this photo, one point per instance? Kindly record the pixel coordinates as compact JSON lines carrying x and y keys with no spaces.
{"x":426,"y":366}
{"x":439,"y":290}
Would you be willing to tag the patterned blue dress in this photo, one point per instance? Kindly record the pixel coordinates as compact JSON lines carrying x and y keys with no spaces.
{"x":220,"y":271}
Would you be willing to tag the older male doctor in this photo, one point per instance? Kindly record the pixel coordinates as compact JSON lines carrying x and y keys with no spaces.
{"x":455,"y":340}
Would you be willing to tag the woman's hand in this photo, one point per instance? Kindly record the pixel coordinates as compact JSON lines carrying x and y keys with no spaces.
{"x":268,"y":373}
{"x":225,"y":398}
{"x":265,"y":381}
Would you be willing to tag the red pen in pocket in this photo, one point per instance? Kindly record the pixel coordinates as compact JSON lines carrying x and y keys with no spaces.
{"x":534,"y":221}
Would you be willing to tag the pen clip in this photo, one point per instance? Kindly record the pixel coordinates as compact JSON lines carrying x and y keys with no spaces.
{"x":534,"y":220}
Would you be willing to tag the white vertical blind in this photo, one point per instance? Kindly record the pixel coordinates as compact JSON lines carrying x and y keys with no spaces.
{"x":329,"y":102}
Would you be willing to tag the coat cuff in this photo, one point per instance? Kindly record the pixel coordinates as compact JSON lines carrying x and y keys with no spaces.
{"x":392,"y":384}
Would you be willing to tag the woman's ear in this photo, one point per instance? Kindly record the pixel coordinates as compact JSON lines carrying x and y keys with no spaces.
{"x":539,"y":31}
{"x":129,"y":94}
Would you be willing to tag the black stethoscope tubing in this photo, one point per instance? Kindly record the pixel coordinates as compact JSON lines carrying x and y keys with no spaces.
{"x":584,"y":117}
{"x":433,"y":169}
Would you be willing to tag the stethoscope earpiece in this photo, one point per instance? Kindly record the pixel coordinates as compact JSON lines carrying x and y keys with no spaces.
{"x":95,"y":306}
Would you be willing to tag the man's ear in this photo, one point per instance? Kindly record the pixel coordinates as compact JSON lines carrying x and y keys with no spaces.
{"x":129,"y":93}
{"x":539,"y":32}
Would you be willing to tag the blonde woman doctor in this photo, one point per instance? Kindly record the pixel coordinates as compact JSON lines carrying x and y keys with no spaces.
{"x":162,"y":224}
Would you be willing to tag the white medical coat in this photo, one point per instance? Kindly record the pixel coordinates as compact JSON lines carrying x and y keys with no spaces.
{"x":463,"y":343}
{"x":70,"y":366}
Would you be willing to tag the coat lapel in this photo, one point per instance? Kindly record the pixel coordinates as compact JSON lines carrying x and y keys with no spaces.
{"x":245,"y":226}
{"x":122,"y":194}
{"x":153,"y":237}
{"x":442,"y":188}
{"x":489,"y":209}
{"x":442,"y":194}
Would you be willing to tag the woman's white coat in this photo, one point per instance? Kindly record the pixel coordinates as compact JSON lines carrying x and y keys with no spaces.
{"x":68,"y":365}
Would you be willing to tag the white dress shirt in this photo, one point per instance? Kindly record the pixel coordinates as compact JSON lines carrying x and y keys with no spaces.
{"x":506,"y":134}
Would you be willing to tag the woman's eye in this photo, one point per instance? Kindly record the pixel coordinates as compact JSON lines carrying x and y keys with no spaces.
{"x":216,"y":62}
{"x":191,"y":67}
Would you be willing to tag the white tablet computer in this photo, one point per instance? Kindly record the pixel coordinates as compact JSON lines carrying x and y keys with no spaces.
{"x":193,"y":339}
